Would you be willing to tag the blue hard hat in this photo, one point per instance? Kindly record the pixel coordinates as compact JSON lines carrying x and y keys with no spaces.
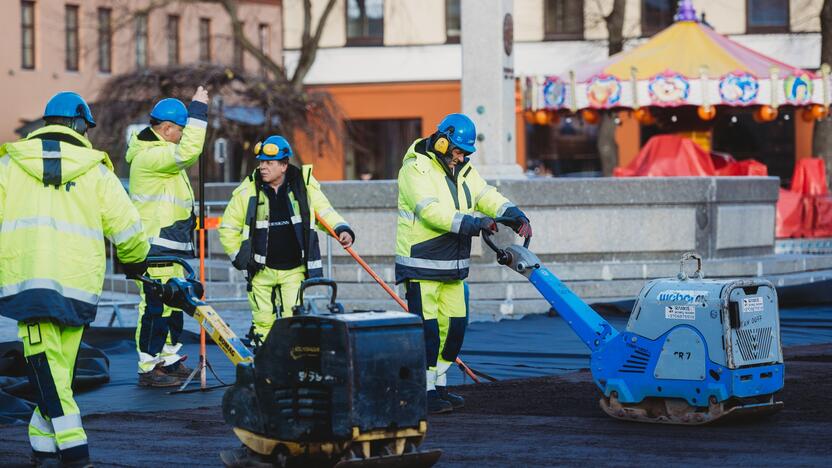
{"x":273,"y":148}
{"x":170,"y":110}
{"x":460,"y":130}
{"x":69,"y":104}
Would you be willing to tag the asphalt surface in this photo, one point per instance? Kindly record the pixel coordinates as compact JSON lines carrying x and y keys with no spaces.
{"x":547,"y":421}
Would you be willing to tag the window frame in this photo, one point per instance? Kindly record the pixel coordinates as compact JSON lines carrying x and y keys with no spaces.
{"x":205,"y":55}
{"x":72,"y":43}
{"x":556,"y":36}
{"x":142,"y":36}
{"x":24,"y":28}
{"x":362,"y":41}
{"x":448,"y":38}
{"x":105,"y":48}
{"x":649,"y":33}
{"x":172,"y":34}
{"x":749,"y":29}
{"x":264,"y":43}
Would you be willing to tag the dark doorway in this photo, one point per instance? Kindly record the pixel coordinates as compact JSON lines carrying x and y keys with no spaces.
{"x":374,"y":148}
{"x":565,"y":148}
{"x":771,"y":143}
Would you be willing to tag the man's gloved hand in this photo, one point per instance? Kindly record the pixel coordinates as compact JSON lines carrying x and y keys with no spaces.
{"x":519,"y":221}
{"x":525,"y":227}
{"x":135,"y":270}
{"x":472,"y":225}
{"x":487,"y":224}
{"x":240,"y":262}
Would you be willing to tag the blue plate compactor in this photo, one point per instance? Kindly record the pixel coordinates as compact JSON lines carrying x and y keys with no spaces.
{"x":694,"y":351}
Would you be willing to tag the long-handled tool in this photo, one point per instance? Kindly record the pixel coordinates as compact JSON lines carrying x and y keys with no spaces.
{"x":470,"y":372}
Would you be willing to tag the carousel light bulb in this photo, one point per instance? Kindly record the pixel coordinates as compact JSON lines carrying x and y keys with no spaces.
{"x":786,"y":117}
{"x":733,"y":119}
{"x":673,"y":118}
{"x":617,"y":121}
{"x":569,"y":120}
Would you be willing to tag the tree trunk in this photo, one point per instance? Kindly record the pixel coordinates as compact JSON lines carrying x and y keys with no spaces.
{"x":615,"y":27}
{"x":822,"y":139}
{"x":607,"y":147}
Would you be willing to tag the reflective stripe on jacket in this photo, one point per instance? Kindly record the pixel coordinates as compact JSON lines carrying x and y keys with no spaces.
{"x":160,"y":187}
{"x":59,"y":199}
{"x":433,"y":206}
{"x":234,"y":229}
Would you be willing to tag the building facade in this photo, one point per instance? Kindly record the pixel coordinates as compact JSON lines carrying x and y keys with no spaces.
{"x":394,"y":68}
{"x":77,"y":45}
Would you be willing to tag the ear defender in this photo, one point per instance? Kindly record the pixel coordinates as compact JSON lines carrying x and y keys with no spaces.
{"x":441,"y":144}
{"x":257,"y":147}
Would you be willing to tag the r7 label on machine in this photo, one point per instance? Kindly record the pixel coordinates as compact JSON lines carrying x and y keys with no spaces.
{"x":680,"y":312}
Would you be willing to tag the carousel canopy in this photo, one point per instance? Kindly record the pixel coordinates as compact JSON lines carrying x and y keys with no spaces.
{"x":686,"y":64}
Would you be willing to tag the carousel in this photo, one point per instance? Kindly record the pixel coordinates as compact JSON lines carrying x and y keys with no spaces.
{"x":682,"y":84}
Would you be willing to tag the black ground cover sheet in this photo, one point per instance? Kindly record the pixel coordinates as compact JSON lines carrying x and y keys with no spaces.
{"x":536,"y":345}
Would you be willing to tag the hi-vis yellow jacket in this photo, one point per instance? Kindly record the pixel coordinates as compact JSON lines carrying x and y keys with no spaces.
{"x":434,"y":206}
{"x":59,"y":199}
{"x":160,"y":187}
{"x":239,"y":224}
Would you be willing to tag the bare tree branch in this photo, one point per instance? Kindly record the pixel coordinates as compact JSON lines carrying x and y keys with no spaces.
{"x":309,"y":42}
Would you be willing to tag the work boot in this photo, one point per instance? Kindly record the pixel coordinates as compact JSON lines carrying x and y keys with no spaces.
{"x":455,"y":400}
{"x":436,"y":405}
{"x":177,"y":369}
{"x":158,"y":378}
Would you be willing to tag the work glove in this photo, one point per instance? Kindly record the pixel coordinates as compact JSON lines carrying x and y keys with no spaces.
{"x":472,"y":225}
{"x":487,"y":224}
{"x":135,"y":270}
{"x":240,"y":262}
{"x":519,"y":222}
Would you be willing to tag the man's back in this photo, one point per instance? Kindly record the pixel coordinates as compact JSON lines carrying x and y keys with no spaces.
{"x":59,"y":199}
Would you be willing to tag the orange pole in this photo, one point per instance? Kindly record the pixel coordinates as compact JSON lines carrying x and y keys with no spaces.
{"x":203,"y":378}
{"x":387,"y":288}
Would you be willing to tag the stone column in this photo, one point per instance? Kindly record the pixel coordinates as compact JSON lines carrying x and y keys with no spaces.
{"x":488,"y":84}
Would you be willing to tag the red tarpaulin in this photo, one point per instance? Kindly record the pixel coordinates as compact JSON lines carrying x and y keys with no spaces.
{"x":672,"y":155}
{"x":806,"y":209}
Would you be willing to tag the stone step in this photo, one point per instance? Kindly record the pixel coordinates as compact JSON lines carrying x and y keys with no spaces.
{"x":221,"y":269}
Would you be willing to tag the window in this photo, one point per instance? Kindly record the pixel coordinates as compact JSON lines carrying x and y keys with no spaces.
{"x":204,"y":40}
{"x":767,"y":16}
{"x":239,"y":56}
{"x":453,"y":25}
{"x":372,"y":148}
{"x":27,"y":35}
{"x":656,"y":15}
{"x":563,"y":19}
{"x":365,"y":22}
{"x":71,"y":27}
{"x":141,"y":41}
{"x":173,"y":40}
{"x":105,"y":40}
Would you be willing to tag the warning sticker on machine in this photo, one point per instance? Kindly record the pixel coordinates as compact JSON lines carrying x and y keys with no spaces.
{"x":752,"y":304}
{"x":679,"y":312}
